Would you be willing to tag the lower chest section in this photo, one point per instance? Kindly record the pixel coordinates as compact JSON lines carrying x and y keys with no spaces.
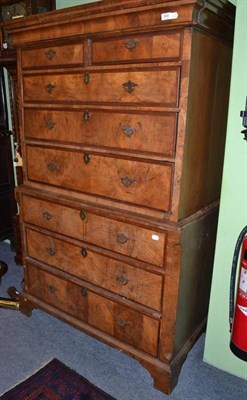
{"x":106,"y":272}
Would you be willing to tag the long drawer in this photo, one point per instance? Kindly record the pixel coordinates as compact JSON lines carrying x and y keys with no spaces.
{"x":130,"y":240}
{"x":132,"y":327}
{"x":132,"y":283}
{"x":136,"y":182}
{"x":153,"y":132}
{"x":143,"y":85}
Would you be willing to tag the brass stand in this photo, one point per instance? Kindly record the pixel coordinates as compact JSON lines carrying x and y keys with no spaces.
{"x":13,"y":302}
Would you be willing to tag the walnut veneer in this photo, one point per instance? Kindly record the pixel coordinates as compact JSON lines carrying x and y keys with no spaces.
{"x":123,"y":109}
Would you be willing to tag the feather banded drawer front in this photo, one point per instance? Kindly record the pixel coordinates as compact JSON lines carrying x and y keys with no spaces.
{"x":124,"y":180}
{"x":140,"y":285}
{"x":123,"y":109}
{"x":141,"y":86}
{"x":122,"y":237}
{"x":129,"y":131}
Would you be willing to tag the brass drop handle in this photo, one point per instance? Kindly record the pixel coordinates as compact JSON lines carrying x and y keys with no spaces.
{"x":86,"y":158}
{"x":84,"y":292}
{"x":86,"y":78}
{"x":83,"y":215}
{"x":126,"y":181}
{"x":122,"y":239}
{"x":131,"y":44}
{"x":51,"y":251}
{"x":129,"y":86}
{"x":50,"y":124}
{"x":86,"y":116}
{"x":50,"y":54}
{"x":47,"y":215}
{"x":84,"y":252}
{"x":128,"y":130}
{"x":50,"y":87}
{"x":52,"y":166}
{"x":122,"y":279}
{"x":122,"y":322}
{"x":51,"y":289}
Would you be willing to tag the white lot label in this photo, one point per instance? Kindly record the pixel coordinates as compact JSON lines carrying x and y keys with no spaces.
{"x":168,"y":16}
{"x":155,"y":237}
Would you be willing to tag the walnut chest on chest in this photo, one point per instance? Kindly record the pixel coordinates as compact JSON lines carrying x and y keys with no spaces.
{"x":123,"y":109}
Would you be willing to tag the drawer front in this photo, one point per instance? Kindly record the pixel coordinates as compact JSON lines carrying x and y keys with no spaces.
{"x":134,"y":182}
{"x":146,"y":86}
{"x":114,"y":319}
{"x":150,"y":133}
{"x":133,"y":48}
{"x":120,"y":278}
{"x":53,"y":56}
{"x":133,"y":241}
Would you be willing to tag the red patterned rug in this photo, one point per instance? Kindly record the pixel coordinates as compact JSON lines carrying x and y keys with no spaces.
{"x":56,"y":381}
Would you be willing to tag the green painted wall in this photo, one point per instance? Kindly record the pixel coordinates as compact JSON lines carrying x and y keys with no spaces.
{"x":70,"y":3}
{"x":233,"y":209}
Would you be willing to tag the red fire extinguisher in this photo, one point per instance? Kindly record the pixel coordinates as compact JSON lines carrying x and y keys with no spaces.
{"x":238,"y":318}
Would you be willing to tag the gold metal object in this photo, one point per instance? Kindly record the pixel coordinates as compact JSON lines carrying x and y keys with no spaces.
{"x":9,"y":303}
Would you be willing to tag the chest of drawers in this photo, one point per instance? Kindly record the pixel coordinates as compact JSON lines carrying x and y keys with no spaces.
{"x":123,"y":115}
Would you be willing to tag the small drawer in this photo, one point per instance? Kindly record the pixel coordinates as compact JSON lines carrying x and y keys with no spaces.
{"x":137,"y":48}
{"x":146,"y":86}
{"x":134,"y":241}
{"x":136,"y":182}
{"x":153,"y":132}
{"x":71,"y":54}
{"x":129,"y":326}
{"x":132,"y":283}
